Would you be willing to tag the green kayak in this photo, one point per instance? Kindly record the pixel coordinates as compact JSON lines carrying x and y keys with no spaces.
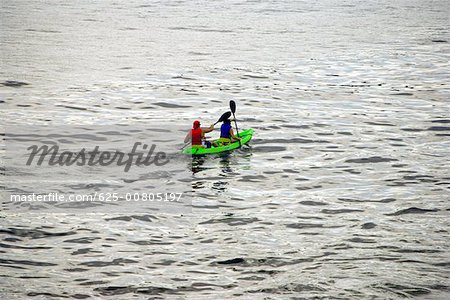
{"x":246,"y":136}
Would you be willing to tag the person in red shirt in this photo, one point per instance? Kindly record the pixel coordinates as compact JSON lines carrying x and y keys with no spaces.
{"x":197,"y":134}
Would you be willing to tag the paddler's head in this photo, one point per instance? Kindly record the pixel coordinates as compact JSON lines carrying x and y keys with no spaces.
{"x":227,"y":121}
{"x":196,"y":124}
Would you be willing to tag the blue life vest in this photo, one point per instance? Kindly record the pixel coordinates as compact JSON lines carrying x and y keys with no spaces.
{"x":225,"y":131}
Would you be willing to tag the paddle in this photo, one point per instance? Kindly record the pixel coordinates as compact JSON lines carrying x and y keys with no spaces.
{"x":223,"y":117}
{"x":233,"y":110}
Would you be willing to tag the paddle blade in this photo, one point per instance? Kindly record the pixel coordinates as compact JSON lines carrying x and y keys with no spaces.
{"x":225,"y":116}
{"x":233,"y":106}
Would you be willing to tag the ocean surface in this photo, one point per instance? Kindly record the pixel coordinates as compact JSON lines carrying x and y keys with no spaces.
{"x":343,"y":192}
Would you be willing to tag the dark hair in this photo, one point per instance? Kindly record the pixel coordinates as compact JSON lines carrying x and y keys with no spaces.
{"x":227,"y":121}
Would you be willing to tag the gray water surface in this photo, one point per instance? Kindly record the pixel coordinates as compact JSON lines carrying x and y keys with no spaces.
{"x":343,"y":193}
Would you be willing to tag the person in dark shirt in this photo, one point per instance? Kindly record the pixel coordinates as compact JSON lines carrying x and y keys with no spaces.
{"x":226,"y":134}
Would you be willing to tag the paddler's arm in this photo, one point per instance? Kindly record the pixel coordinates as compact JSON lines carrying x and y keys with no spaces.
{"x":208,"y":129}
{"x":232,"y":135}
{"x":188,"y":137}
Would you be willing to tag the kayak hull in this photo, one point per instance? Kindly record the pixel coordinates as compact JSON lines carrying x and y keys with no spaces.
{"x":245,"y":136}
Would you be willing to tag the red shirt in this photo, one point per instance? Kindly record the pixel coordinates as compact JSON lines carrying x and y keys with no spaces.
{"x":196,"y":135}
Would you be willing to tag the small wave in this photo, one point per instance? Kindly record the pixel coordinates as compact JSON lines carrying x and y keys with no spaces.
{"x":379,"y":124}
{"x":269,"y":149}
{"x":439,"y":128}
{"x":402,"y":94}
{"x":180,"y":28}
{"x":368,"y":225}
{"x":401,"y":290}
{"x":13,"y":83}
{"x":232,"y":221}
{"x":13,"y":263}
{"x":114,"y":262}
{"x":412,"y":210}
{"x":294,"y":287}
{"x":373,"y":159}
{"x":34,"y":233}
{"x":42,"y":30}
{"x":444,"y":121}
{"x":384,"y":200}
{"x":170,"y":105}
{"x":289,"y":141}
{"x":72,"y":107}
{"x":254,"y":76}
{"x":232,"y":261}
{"x":362,"y":240}
{"x":313,"y":203}
{"x":340,"y":211}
